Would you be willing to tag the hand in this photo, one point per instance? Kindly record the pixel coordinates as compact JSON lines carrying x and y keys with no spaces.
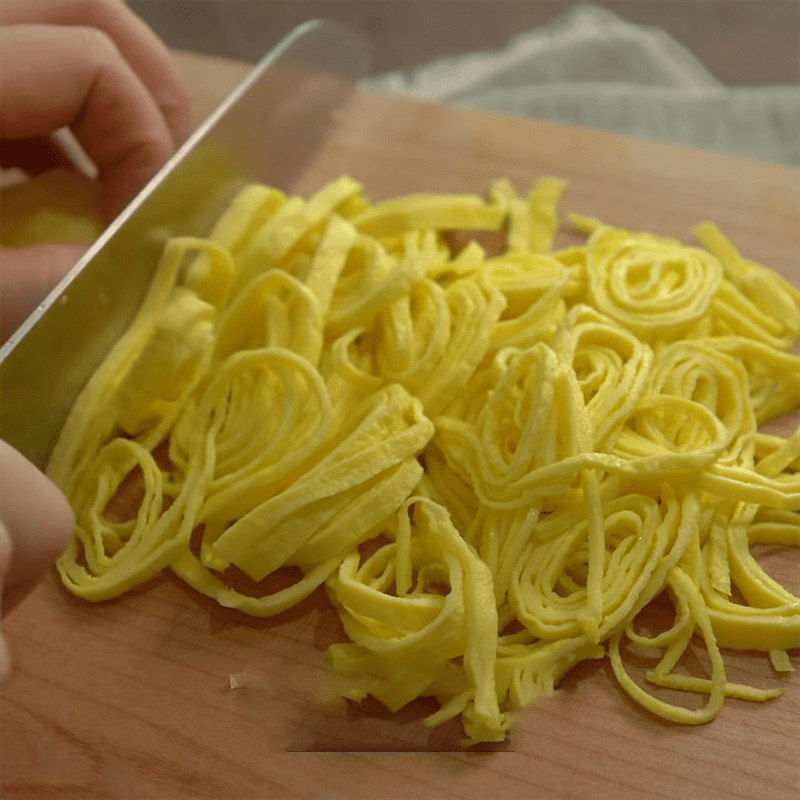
{"x":94,"y":67}
{"x":35,"y":526}
{"x":107,"y":77}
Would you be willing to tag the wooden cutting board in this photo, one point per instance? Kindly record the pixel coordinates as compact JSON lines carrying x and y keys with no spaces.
{"x":130,"y":699}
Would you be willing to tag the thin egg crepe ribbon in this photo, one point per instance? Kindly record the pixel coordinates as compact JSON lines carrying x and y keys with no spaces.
{"x":751,"y":303}
{"x":773,"y":376}
{"x":430,"y":341}
{"x":654,"y":286}
{"x":533,"y":220}
{"x":532,"y":436}
{"x":169,"y":338}
{"x":694,"y":371}
{"x":427,"y":552}
{"x":611,"y":366}
{"x":147,"y":547}
{"x":536,"y":288}
{"x":309,"y":517}
{"x":292,"y":226}
{"x":527,"y":432}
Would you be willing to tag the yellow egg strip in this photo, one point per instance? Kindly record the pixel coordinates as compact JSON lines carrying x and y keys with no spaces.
{"x":430,"y":212}
{"x":654,"y":287}
{"x":682,"y":585}
{"x":492,"y":464}
{"x":543,"y":201}
{"x":768,"y":308}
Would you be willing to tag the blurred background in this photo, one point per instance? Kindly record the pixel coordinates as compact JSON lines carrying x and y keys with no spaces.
{"x":720,"y":74}
{"x":742,"y":42}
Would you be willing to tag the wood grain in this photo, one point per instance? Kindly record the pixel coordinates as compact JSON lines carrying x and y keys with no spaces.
{"x":130,"y":699}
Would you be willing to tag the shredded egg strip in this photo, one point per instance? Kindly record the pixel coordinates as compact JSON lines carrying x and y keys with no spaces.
{"x":493,"y":464}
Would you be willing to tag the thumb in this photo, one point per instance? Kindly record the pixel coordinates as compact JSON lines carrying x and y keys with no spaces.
{"x":38,"y":521}
{"x":5,"y":561}
{"x":28,"y":274}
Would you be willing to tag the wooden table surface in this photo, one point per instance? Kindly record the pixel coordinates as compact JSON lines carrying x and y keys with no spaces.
{"x":130,"y":698}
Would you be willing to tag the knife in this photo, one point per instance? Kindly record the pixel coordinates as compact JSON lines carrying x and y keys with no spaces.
{"x":266,"y":131}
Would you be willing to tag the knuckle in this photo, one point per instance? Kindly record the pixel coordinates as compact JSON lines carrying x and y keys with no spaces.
{"x":93,"y":12}
{"x":95,"y":43}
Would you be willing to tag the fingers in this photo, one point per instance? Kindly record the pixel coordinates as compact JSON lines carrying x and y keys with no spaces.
{"x":29,"y":273}
{"x":139,"y":46}
{"x":107,"y":76}
{"x":5,"y":563}
{"x":93,"y":91}
{"x":38,"y":520}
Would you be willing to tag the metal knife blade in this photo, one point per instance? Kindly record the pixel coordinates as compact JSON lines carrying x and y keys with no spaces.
{"x":267,"y":130}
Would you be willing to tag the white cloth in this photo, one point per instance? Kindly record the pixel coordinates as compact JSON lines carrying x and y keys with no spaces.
{"x":591,"y":68}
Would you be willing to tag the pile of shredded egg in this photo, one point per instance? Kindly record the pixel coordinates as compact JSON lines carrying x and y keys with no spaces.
{"x":492,"y":463}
